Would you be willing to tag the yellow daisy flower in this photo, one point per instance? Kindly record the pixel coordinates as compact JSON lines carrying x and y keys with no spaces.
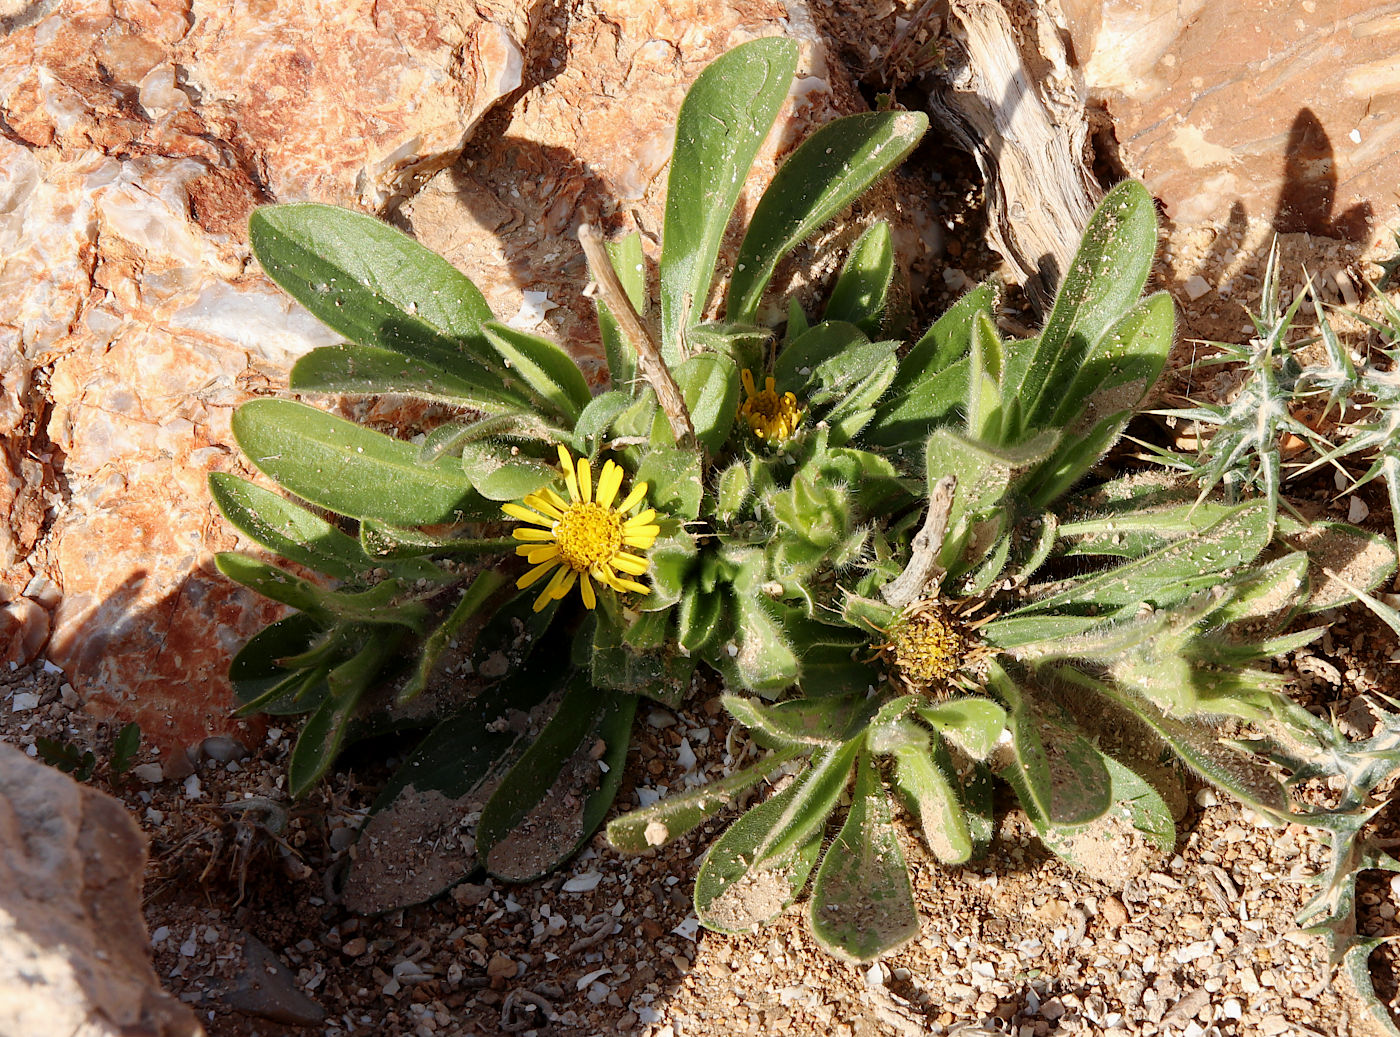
{"x":583,"y":538}
{"x":772,"y":418}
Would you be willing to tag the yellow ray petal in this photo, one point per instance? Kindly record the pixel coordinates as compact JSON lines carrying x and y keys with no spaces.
{"x":532,"y":575}
{"x":528,"y":533}
{"x":554,"y":582}
{"x":585,"y":480}
{"x":642,"y":518}
{"x":566,"y":464}
{"x":549,"y":494}
{"x":566,"y":584}
{"x":632,"y":499}
{"x":515,"y":511}
{"x":609,"y":483}
{"x":542,"y":504}
{"x":631,"y":585}
{"x":630,"y":563}
{"x":536,"y":555}
{"x":585,"y":586}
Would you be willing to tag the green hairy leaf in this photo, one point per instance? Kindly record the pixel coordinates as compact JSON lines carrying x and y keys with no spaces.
{"x":828,"y":171}
{"x":722,"y":122}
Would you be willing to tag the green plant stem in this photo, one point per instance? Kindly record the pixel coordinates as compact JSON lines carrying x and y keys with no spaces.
{"x":649,"y":360}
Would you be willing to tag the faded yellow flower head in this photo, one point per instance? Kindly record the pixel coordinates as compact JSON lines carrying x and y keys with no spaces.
{"x":772,"y":418}
{"x":927,"y":647}
{"x":584,"y":538}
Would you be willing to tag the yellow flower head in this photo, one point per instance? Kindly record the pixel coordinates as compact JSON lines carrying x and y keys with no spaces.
{"x":583,"y":538}
{"x":772,"y":418}
{"x":927,"y":647}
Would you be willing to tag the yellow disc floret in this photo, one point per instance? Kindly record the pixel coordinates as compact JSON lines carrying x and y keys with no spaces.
{"x":927,"y":647}
{"x":772,"y":418}
{"x":583,"y":538}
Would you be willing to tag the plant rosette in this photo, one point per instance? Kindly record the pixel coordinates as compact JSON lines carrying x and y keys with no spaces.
{"x":898,"y":560}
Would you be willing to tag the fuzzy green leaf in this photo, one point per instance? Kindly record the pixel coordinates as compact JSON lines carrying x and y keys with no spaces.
{"x":524,"y":832}
{"x":862,"y":905}
{"x":830,"y":169}
{"x":285,"y":528}
{"x":723,"y":120}
{"x":701,"y":618}
{"x":855,"y":380}
{"x":762,"y":861}
{"x":321,"y":737}
{"x":764,"y":662}
{"x":627,"y":260}
{"x":411,"y":846}
{"x":710,"y":385}
{"x":927,"y":782}
{"x":1062,"y":773}
{"x":974,"y":725}
{"x":984,"y":416}
{"x":545,"y":372}
{"x":746,"y":344}
{"x":468,"y":605}
{"x":733,"y":491}
{"x":1199,"y":746}
{"x":270,"y":581}
{"x":796,"y":365}
{"x":1103,"y":282}
{"x":668,"y":819}
{"x":861,"y":292}
{"x":1134,"y":800}
{"x":948,"y":340}
{"x":506,"y":470}
{"x":262,"y":684}
{"x":1174,"y":572}
{"x":371,"y":283}
{"x":801,"y":722}
{"x":673,"y":481}
{"x":355,"y":369}
{"x":349,"y":469}
{"x":930,"y":386}
{"x":1122,"y":366}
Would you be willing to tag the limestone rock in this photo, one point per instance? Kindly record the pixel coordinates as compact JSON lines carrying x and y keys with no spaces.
{"x":74,"y":954}
{"x":1286,"y":109}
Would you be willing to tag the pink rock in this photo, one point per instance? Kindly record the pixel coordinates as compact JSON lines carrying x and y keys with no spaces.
{"x":591,"y":142}
{"x":74,"y":955}
{"x":1286,"y":110}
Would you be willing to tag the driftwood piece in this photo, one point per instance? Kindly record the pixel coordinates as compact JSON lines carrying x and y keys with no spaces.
{"x":1006,"y":93}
